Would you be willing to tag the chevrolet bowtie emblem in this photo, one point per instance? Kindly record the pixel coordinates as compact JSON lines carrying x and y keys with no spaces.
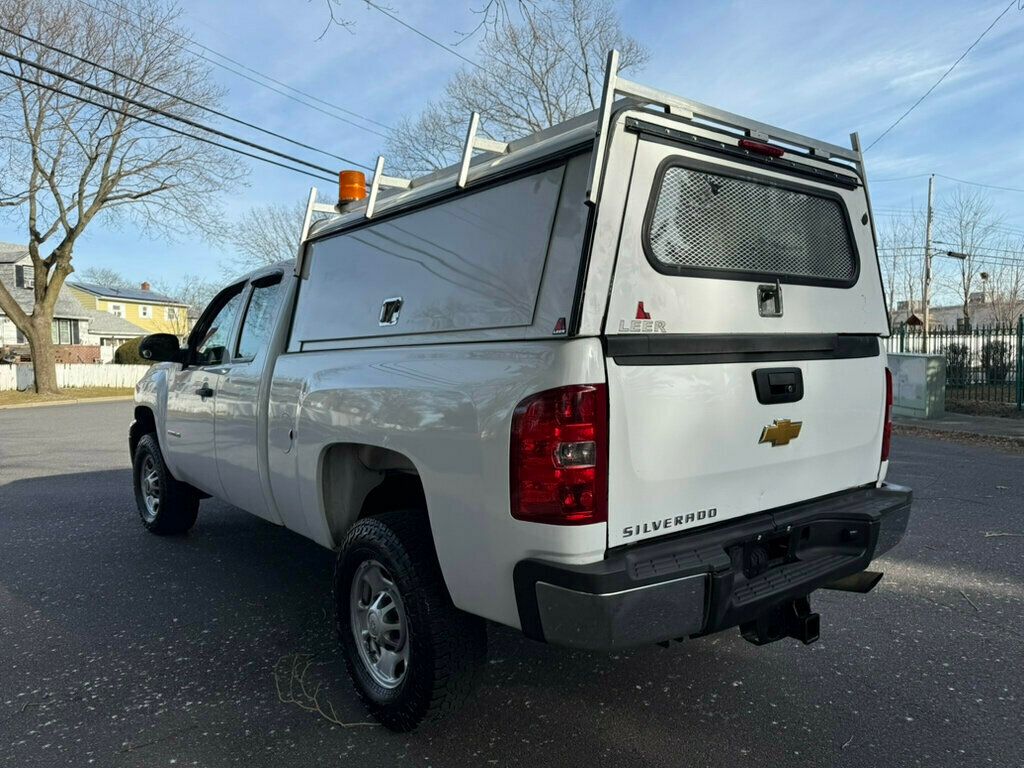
{"x":780,"y":432}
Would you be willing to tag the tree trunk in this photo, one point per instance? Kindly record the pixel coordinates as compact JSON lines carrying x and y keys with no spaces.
{"x":40,"y":342}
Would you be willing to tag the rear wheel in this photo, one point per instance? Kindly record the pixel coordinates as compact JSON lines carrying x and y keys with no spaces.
{"x":410,"y":652}
{"x":165,"y":505}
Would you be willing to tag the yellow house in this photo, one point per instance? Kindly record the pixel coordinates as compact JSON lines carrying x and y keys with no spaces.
{"x":141,"y":306}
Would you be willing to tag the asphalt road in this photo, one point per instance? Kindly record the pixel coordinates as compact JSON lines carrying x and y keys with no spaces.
{"x":120,"y":648}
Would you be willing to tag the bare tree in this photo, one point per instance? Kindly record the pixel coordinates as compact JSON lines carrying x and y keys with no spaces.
{"x":1004,"y":286}
{"x":73,"y":155}
{"x":539,"y":64}
{"x":966,"y":226}
{"x":193,"y":291}
{"x":264,"y":235}
{"x":901,"y":255}
{"x":107,"y":277}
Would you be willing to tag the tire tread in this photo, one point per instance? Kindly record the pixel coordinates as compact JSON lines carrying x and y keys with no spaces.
{"x":458,"y":641}
{"x":179,"y":506}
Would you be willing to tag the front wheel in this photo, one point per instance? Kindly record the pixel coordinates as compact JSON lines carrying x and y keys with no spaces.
{"x":410,"y":652}
{"x":166,"y":505}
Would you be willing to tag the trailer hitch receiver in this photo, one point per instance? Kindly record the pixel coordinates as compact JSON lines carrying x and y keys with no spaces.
{"x":792,"y":619}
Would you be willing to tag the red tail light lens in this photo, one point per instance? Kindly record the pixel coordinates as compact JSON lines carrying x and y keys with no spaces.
{"x":761,"y":148}
{"x":887,"y":428}
{"x":559,"y":456}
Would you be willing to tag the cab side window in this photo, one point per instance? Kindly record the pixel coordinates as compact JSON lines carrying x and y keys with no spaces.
{"x":213,"y":338}
{"x":259,"y":317}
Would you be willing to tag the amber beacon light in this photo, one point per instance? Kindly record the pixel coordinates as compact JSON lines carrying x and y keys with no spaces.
{"x":351,"y":186}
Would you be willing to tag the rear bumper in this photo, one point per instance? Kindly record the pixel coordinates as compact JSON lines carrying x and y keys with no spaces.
{"x":709,"y":580}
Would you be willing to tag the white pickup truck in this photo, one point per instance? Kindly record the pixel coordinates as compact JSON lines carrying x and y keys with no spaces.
{"x":619,"y":382}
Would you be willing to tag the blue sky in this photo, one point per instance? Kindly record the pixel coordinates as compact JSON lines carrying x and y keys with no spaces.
{"x":820,"y":68}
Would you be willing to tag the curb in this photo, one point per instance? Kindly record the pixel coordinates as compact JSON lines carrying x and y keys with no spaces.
{"x":922,"y":431}
{"x":76,"y":401}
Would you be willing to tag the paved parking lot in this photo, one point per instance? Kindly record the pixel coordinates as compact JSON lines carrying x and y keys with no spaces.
{"x":120,"y":648}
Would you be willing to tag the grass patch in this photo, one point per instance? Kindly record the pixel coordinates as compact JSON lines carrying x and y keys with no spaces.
{"x":79,"y":393}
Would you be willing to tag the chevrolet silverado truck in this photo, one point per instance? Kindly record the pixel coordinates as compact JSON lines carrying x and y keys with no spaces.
{"x":619,"y":382}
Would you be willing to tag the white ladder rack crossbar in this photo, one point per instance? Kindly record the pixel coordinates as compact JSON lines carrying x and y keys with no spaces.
{"x":380,"y":180}
{"x":476,"y":142}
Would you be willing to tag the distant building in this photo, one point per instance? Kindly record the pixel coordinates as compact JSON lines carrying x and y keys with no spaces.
{"x":70,"y":319}
{"x":982,"y":310}
{"x":81,"y":334}
{"x":151,"y":311}
{"x":110,"y":332}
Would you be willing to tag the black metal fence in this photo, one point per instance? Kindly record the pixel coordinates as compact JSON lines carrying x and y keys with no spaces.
{"x":984,"y":363}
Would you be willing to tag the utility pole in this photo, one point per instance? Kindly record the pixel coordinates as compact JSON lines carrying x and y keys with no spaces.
{"x":927,"y":264}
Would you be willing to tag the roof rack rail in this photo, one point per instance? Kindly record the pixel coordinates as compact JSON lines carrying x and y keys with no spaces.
{"x":614,"y":85}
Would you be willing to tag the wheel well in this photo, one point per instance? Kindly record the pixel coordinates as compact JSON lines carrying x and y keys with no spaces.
{"x":364,"y":480}
{"x":144,"y":424}
{"x":398,"y":490}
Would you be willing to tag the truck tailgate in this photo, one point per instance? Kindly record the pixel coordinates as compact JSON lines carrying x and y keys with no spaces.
{"x":744,"y":366}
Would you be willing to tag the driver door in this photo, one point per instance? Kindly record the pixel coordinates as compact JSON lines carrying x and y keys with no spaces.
{"x":192,"y":394}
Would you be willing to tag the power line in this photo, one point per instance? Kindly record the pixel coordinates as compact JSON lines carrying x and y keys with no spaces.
{"x":165,"y":113}
{"x":1003,"y":228}
{"x":424,"y":35}
{"x":950,"y":178}
{"x":189,"y":42}
{"x":984,"y":256}
{"x":170,"y":128}
{"x":944,"y":74}
{"x":162,"y":92}
{"x":979,"y":184}
{"x":900,"y":178}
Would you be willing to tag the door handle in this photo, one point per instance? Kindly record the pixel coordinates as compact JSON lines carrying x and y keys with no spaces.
{"x":778,"y":385}
{"x":204,"y":392}
{"x":769,"y":300}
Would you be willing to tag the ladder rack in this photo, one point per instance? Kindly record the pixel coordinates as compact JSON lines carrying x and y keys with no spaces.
{"x":614,"y":86}
{"x":476,"y":142}
{"x":380,"y":180}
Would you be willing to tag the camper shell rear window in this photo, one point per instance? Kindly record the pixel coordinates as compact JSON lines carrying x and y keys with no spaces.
{"x":705,"y":220}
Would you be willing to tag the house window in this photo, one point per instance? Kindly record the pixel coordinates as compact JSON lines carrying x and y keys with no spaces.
{"x":145,"y":311}
{"x":64,"y":332}
{"x":23,"y":278}
{"x":20,"y":337}
{"x":172,"y":314}
{"x":117,"y":310}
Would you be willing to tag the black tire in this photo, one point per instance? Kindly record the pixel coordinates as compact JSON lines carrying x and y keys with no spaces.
{"x":178,"y":503}
{"x":446,"y":647}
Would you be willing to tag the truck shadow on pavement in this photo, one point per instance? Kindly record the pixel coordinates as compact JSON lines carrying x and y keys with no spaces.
{"x":229,"y":630}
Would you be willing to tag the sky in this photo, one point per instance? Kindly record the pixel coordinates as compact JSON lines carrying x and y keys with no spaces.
{"x":819,"y":68}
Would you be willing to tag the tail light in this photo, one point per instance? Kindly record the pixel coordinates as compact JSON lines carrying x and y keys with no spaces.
{"x":761,"y":148}
{"x":887,"y":427}
{"x":559,"y":456}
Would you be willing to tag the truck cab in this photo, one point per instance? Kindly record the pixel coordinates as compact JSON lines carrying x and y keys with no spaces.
{"x":620,"y":382}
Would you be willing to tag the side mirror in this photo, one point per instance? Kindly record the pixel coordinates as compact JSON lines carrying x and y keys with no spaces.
{"x":161,"y":348}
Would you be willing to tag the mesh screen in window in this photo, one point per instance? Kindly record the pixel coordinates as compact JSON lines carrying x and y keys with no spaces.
{"x":704,"y":221}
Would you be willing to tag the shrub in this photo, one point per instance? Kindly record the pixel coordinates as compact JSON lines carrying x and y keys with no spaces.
{"x":995,"y":360}
{"x":958,"y":363}
{"x":128,"y":353}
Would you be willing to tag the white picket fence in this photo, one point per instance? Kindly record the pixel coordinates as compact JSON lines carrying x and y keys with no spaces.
{"x":74,"y":376}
